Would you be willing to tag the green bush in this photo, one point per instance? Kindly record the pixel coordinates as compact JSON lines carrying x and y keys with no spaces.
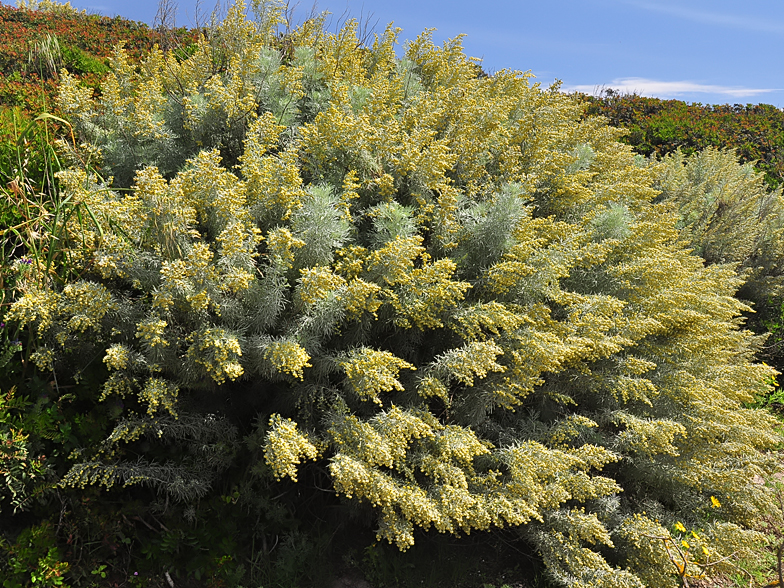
{"x":341,"y":280}
{"x":79,"y":62}
{"x":34,"y":560}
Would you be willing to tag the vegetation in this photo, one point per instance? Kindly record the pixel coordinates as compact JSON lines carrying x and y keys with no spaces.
{"x":37,"y":41}
{"x":288,"y":293}
{"x":755,"y":132}
{"x":40,"y":38}
{"x":730,"y":216}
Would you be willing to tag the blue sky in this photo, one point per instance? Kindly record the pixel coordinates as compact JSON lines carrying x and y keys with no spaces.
{"x":708,"y":51}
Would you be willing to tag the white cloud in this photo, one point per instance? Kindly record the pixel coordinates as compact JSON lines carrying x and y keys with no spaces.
{"x":736,"y":21}
{"x":661,"y":89}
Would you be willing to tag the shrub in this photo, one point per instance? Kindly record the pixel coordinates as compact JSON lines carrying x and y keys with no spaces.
{"x":52,"y":6}
{"x":18,"y":468}
{"x":728,"y":214}
{"x":449,"y":292}
{"x":79,"y":62}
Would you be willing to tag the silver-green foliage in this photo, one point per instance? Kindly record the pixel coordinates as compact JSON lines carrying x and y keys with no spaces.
{"x":456,"y":295}
{"x":728,"y":214}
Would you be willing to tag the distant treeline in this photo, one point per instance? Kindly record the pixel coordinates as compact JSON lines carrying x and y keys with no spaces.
{"x":754,"y":131}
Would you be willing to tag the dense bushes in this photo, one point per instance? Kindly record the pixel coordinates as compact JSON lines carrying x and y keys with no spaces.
{"x":306,"y":283}
{"x":658,"y":127}
{"x":396,"y":288}
{"x":729,"y":215}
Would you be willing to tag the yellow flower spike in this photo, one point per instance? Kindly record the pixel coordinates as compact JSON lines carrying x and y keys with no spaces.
{"x":715,"y":502}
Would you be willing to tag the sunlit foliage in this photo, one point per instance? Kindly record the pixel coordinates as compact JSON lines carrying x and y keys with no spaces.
{"x":729,"y":215}
{"x":458,"y":296}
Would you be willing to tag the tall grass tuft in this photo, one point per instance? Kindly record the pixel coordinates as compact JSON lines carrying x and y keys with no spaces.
{"x":36,"y":247}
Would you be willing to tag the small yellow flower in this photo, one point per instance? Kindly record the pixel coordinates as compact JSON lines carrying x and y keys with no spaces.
{"x":715,"y":502}
{"x":679,"y":526}
{"x":685,"y":544}
{"x":705,"y":550}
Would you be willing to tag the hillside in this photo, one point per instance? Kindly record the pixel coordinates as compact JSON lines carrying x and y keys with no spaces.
{"x":34,"y":45}
{"x":658,"y":127}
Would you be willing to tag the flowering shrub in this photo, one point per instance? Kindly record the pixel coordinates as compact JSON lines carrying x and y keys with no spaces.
{"x":729,"y":214}
{"x":452,"y":292}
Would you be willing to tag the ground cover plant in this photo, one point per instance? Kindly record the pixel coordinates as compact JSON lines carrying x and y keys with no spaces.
{"x":318,"y":279}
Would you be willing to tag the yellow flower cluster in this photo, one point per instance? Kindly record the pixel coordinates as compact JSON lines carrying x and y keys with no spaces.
{"x":37,"y":307}
{"x":159,"y":395}
{"x":237,"y":252}
{"x":425,"y":293}
{"x":149,"y":98}
{"x":339,"y":59}
{"x":151,"y":331}
{"x":117,"y":357}
{"x":350,"y":186}
{"x":430,"y":386}
{"x":287,"y":357}
{"x":473,"y":360}
{"x":369,"y":372}
{"x":262,"y":135}
{"x":350,"y":261}
{"x":171,"y":214}
{"x":86,"y":304}
{"x":216,"y":194}
{"x":188,"y":281}
{"x":447,"y":503}
{"x":317,"y":283}
{"x":218,"y":351}
{"x":648,"y":436}
{"x":359,"y":297}
{"x":273,"y":184}
{"x":63,"y":8}
{"x":89,"y":473}
{"x":285,"y":446}
{"x":43,"y":358}
{"x":74,"y":98}
{"x":281,"y":246}
{"x":569,"y":428}
{"x":363,"y":441}
{"x":394,"y":261}
{"x":385,"y":439}
{"x":479,"y":320}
